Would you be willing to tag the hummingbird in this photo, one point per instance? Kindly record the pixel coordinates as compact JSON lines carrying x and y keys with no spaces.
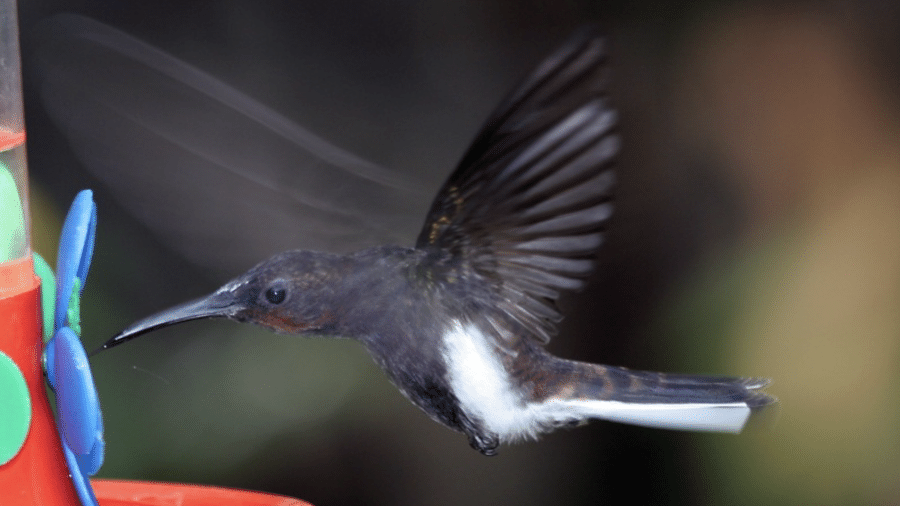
{"x":459,"y":322}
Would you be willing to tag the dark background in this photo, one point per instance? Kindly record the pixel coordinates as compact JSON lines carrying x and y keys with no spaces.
{"x":755,"y":234}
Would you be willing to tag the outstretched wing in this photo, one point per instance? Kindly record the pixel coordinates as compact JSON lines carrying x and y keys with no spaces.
{"x":526,"y":207}
{"x":204,"y":165}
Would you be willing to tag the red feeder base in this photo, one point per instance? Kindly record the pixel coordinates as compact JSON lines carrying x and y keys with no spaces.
{"x":143,"y":493}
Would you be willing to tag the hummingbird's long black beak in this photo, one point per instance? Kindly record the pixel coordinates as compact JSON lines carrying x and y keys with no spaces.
{"x":220,"y":304}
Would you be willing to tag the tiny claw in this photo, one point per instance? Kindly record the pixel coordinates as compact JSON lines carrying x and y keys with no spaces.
{"x":486,"y":444}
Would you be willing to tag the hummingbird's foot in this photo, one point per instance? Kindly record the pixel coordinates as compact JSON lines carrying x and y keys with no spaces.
{"x":485,"y":443}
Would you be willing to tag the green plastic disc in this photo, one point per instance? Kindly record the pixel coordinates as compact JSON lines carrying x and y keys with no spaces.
{"x":48,"y":293}
{"x":15,"y":409}
{"x":12,"y":219}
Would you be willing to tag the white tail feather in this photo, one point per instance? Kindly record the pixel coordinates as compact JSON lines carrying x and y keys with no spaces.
{"x":720,"y":417}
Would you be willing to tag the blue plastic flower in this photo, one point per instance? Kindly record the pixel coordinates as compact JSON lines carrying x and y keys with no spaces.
{"x":79,"y":421}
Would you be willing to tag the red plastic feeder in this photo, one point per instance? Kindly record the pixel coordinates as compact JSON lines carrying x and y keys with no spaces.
{"x":142,"y":493}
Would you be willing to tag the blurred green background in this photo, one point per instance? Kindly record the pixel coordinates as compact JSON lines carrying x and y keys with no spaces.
{"x":756,"y":234}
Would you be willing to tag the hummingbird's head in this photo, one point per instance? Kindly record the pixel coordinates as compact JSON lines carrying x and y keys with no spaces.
{"x":288,"y":293}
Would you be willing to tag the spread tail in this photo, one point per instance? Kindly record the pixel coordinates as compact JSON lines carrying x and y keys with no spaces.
{"x":669,"y":401}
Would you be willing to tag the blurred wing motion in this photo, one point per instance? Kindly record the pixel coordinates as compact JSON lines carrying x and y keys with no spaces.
{"x":197,"y":160}
{"x":527,"y":205}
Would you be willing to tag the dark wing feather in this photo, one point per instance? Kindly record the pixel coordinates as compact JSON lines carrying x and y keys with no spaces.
{"x":526,"y":207}
{"x":205,"y":166}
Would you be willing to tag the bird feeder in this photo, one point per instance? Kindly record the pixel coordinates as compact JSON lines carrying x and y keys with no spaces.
{"x":46,"y":456}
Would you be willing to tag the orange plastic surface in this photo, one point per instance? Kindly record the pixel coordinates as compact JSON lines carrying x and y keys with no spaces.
{"x":142,"y":493}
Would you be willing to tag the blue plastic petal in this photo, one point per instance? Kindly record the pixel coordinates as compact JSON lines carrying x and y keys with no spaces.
{"x":81,"y":482}
{"x":88,"y":252}
{"x":76,"y":396}
{"x":50,"y":362}
{"x":76,"y":245}
{"x":91,"y":463}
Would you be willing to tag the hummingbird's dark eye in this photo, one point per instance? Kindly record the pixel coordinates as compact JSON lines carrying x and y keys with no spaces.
{"x":276,"y":294}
